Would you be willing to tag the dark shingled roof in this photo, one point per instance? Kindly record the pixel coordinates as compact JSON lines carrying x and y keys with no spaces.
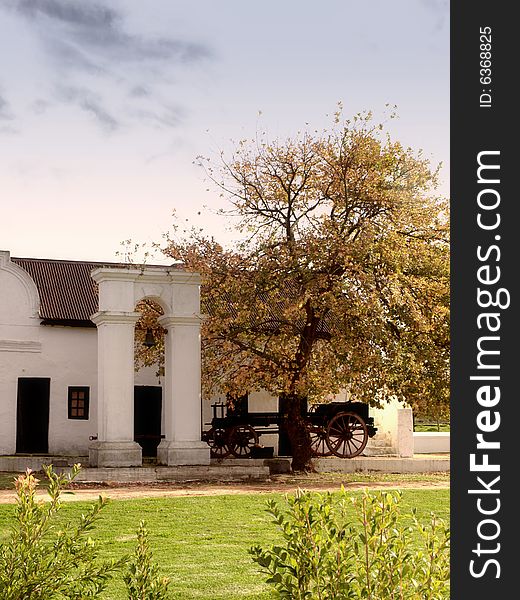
{"x":68,"y":294}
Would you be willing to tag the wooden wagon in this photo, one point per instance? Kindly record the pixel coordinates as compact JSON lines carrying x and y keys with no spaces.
{"x":337,"y":428}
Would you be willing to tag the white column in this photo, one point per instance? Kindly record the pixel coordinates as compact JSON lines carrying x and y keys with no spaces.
{"x":182,"y":394}
{"x":115,"y":446}
{"x":395,"y":422}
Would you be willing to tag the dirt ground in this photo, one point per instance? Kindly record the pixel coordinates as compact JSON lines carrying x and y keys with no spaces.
{"x":276,"y":483}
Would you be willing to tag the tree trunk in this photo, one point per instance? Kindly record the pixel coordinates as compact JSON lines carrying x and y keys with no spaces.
{"x":299,"y":438}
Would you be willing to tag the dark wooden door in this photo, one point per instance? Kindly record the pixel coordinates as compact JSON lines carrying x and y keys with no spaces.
{"x":32,"y":415}
{"x":147,"y":417}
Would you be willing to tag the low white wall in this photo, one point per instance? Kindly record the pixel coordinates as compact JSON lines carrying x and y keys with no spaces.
{"x":383,"y":464}
{"x":395,"y":424}
{"x":431,"y":442}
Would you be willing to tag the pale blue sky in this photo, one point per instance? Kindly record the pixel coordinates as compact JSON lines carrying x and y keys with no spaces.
{"x":104,"y":104}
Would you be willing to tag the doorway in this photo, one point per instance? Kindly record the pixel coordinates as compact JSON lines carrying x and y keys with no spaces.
{"x":32,"y":415}
{"x":147,"y":418}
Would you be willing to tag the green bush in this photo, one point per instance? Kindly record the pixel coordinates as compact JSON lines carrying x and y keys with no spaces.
{"x":142,"y":578}
{"x":43,"y":561}
{"x":328,"y":554}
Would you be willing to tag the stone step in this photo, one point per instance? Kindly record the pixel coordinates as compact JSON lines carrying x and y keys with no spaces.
{"x":379,"y":451}
{"x":384,"y":464}
{"x":19,"y":463}
{"x":184,"y":473}
{"x":276,"y":465}
{"x":382,"y":444}
{"x":383,"y":440}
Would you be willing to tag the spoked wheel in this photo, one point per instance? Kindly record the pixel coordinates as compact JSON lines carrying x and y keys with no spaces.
{"x":346,"y":435}
{"x":240,"y":440}
{"x":217,"y":442}
{"x":318,"y":441}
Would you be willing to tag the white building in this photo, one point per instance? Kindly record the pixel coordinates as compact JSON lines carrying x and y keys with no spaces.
{"x":67,"y":380}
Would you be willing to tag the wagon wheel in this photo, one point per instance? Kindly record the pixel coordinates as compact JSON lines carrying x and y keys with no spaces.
{"x":217,"y":442}
{"x":318,"y":440}
{"x":240,"y":440}
{"x":346,"y":435}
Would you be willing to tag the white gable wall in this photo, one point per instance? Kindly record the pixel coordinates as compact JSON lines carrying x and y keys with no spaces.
{"x":66,"y":355}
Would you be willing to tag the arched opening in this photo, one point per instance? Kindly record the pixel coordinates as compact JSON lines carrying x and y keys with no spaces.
{"x":178,"y":295}
{"x":149,"y":375}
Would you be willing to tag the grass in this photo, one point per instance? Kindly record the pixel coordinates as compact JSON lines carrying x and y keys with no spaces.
{"x":431,"y":427}
{"x":294,"y":480}
{"x":202,"y":543}
{"x":6,"y":480}
{"x":370,"y":478}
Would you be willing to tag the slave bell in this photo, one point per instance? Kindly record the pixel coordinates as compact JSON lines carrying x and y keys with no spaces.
{"x":149,"y":340}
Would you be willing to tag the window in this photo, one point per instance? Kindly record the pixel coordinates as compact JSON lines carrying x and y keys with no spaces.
{"x":78,"y":402}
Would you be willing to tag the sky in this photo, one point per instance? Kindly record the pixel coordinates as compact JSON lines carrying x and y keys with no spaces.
{"x":105,"y":104}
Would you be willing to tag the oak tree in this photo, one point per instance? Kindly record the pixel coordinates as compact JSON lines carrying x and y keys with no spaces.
{"x":341,"y":278}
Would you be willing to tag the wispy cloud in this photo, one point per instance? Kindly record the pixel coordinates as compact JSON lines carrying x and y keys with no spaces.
{"x":99,"y":31}
{"x":91,"y":104}
{"x":5,"y":110}
{"x":90,"y":49}
{"x":440,"y":9}
{"x":139,"y":91}
{"x":39,"y":106}
{"x":69,"y":12}
{"x":166,"y":117}
{"x":8,"y":130}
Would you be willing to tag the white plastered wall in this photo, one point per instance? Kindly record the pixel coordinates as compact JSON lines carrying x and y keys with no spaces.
{"x":262,"y":401}
{"x":66,"y":355}
{"x":20,"y":343}
{"x":394,"y":422}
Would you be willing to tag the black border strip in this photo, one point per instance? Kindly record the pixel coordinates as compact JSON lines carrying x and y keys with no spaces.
{"x":483,"y":119}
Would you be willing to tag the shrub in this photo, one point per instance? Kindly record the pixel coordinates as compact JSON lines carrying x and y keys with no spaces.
{"x":142,"y":578}
{"x":43,"y":561}
{"x":328,"y":554}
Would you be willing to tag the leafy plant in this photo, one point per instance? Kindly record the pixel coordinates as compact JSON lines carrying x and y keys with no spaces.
{"x":44,"y":561}
{"x":40,"y":560}
{"x":328,"y":554}
{"x":142,"y":579}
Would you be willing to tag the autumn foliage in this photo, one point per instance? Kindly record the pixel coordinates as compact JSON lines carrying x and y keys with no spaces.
{"x":341,"y":278}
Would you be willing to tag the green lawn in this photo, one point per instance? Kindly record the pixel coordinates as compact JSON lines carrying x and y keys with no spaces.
{"x":202,"y":542}
{"x":442,"y":428}
{"x":294,"y":480}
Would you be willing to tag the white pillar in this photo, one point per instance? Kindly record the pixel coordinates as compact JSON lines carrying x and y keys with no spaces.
{"x":115,"y":445}
{"x":395,"y":422}
{"x":182,"y":394}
